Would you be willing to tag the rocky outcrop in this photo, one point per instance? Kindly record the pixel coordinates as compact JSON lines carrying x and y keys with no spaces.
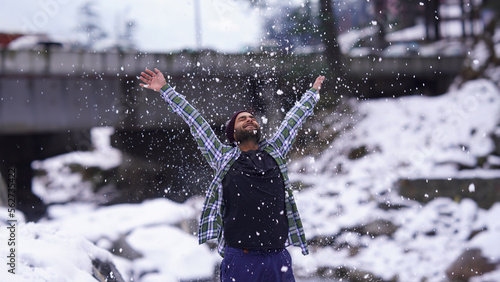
{"x":496,"y":139}
{"x":470,"y":263}
{"x":347,"y":274}
{"x":105,"y":271}
{"x":485,"y":192}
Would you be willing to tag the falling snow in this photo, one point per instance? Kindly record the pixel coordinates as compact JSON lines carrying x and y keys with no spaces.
{"x":333,"y":202}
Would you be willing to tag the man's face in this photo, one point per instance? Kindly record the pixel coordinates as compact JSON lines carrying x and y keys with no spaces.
{"x":246,"y":127}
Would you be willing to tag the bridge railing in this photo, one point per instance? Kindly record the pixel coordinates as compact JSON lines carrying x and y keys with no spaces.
{"x":54,"y":90}
{"x":55,"y":62}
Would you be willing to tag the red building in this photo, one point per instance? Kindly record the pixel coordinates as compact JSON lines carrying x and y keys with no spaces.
{"x":6,"y":38}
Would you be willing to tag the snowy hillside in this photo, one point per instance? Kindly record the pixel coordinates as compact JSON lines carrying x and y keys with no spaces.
{"x":405,"y":138}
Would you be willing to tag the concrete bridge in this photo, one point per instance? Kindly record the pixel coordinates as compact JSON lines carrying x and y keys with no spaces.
{"x":53,"y":91}
{"x":50,"y":100}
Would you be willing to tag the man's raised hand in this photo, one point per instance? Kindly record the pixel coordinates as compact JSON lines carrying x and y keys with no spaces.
{"x":152,"y":80}
{"x":317,"y":83}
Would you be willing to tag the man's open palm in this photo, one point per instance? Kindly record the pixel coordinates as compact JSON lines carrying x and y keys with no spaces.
{"x":318,"y":82}
{"x":153,"y":80}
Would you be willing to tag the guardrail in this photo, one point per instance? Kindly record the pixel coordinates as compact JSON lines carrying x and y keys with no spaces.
{"x":66,"y":63}
{"x":58,"y":90}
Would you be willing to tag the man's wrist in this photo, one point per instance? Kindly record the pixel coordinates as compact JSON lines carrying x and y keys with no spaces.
{"x":165,"y":87}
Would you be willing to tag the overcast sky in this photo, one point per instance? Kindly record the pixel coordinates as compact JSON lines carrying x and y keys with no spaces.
{"x":162,"y":25}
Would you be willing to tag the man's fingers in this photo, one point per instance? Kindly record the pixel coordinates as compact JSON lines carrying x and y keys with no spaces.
{"x":320,"y":79}
{"x":318,"y":82}
{"x":150,"y":72}
{"x":145,"y":75}
{"x":151,"y":78}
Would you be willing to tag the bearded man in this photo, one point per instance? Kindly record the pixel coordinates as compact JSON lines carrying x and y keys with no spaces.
{"x":249,"y":207}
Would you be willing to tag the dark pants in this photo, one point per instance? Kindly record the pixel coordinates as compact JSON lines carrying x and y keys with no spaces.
{"x":256,"y":265}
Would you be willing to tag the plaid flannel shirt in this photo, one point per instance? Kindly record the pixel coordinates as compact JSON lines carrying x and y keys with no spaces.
{"x":221,"y":156}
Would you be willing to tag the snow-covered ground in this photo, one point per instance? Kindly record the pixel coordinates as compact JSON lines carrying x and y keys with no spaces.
{"x":409,"y":137}
{"x":416,"y":137}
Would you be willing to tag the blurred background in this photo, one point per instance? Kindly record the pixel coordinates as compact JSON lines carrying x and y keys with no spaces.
{"x":82,"y":136}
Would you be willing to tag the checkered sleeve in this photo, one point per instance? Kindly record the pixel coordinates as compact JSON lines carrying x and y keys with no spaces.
{"x":208,"y":143}
{"x":287,"y":132}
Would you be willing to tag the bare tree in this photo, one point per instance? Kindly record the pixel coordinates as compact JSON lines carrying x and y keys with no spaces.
{"x":472,"y":70}
{"x":329,"y":30}
{"x":90,"y":25}
{"x":328,"y":33}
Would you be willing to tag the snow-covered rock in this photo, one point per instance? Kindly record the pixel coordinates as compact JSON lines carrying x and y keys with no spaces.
{"x":43,"y":253}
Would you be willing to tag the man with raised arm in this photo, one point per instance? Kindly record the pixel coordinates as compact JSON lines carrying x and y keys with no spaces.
{"x":249,"y":207}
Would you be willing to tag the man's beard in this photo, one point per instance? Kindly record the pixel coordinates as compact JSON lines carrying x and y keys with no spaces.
{"x":244,"y":136}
